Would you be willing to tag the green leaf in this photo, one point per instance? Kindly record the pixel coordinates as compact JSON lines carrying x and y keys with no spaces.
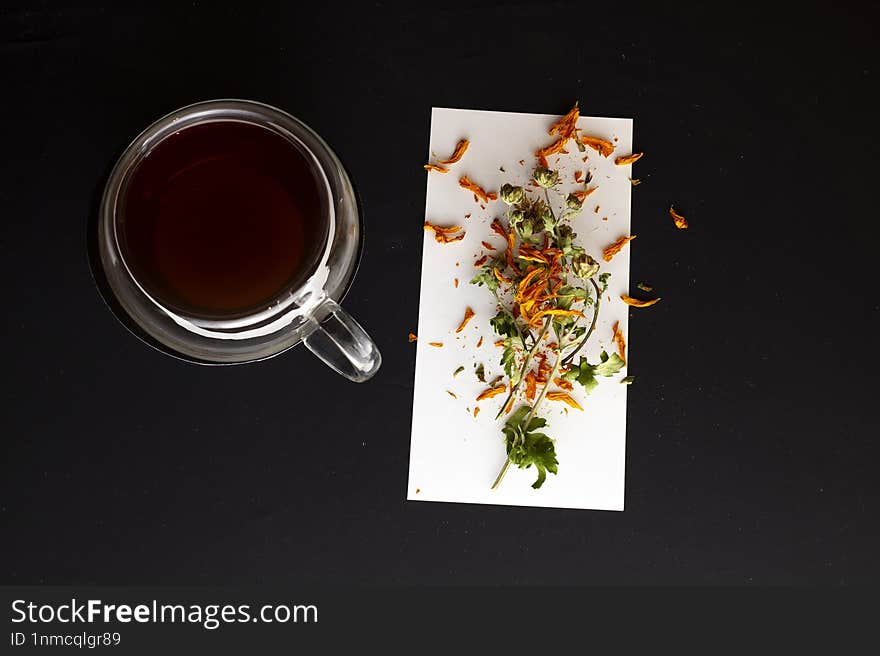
{"x":603,"y":282}
{"x":504,"y":324}
{"x":542,"y":455}
{"x":610,"y":365}
{"x":481,"y":373}
{"x":508,"y":360}
{"x":486,"y":276}
{"x":568,"y":295}
{"x":526,"y":448}
{"x":627,"y":380}
{"x":585,"y":373}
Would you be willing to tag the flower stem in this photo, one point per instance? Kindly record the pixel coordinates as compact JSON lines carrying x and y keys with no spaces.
{"x":501,"y":474}
{"x":526,"y":363}
{"x":534,"y":409}
{"x":570,"y":356}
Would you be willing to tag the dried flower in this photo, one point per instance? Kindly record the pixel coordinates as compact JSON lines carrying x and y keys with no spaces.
{"x":572,"y":202}
{"x":584,"y":266}
{"x":434,"y":167}
{"x":545,"y":177}
{"x":511,"y":194}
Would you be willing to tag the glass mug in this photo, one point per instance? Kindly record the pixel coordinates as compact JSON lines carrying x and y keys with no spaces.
{"x":305,"y":310}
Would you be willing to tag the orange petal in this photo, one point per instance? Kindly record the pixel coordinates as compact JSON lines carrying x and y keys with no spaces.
{"x":680,"y":222}
{"x":604,"y":146}
{"x":618,"y":339}
{"x":412,"y":338}
{"x":565,"y":398}
{"x":580,"y":195}
{"x":616,"y":247}
{"x":564,"y":384}
{"x":476,"y":189}
{"x":492,"y":391}
{"x":457,"y":154}
{"x":434,"y":167}
{"x":566,"y":126}
{"x":468,"y":315}
{"x":628,"y":159}
{"x":635,"y":302}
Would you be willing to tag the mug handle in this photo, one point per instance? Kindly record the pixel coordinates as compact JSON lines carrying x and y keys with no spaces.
{"x":341,"y":343}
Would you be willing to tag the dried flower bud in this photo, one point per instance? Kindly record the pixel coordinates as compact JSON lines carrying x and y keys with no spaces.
{"x":565,"y":238}
{"x":584,"y":266}
{"x":511,"y":194}
{"x":516,"y":216}
{"x":546,"y":178}
{"x":572,"y":202}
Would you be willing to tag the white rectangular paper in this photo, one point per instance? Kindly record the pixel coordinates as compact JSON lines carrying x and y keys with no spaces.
{"x":455,"y":457}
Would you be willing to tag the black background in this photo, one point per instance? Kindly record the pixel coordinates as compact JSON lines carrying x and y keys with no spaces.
{"x":752,"y":441}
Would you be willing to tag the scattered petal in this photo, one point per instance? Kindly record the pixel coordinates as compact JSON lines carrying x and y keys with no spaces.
{"x":616,"y":247}
{"x":618,"y":339}
{"x":581,"y":195}
{"x":531,"y":385}
{"x":434,"y":167}
{"x":603,"y":146}
{"x":477,"y":190}
{"x":412,"y":338}
{"x":468,"y":315}
{"x":680,"y":222}
{"x":458,"y":153}
{"x":565,"y":398}
{"x":628,"y":159}
{"x":492,"y":391}
{"x":436,"y":344}
{"x":444,"y":235}
{"x":635,"y":302}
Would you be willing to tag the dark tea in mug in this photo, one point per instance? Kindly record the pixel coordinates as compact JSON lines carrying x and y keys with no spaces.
{"x":222,"y":218}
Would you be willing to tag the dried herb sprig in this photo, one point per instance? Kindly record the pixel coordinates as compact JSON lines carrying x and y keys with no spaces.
{"x":547,"y":288}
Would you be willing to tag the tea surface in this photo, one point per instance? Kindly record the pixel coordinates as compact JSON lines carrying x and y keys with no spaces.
{"x":220,"y":218}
